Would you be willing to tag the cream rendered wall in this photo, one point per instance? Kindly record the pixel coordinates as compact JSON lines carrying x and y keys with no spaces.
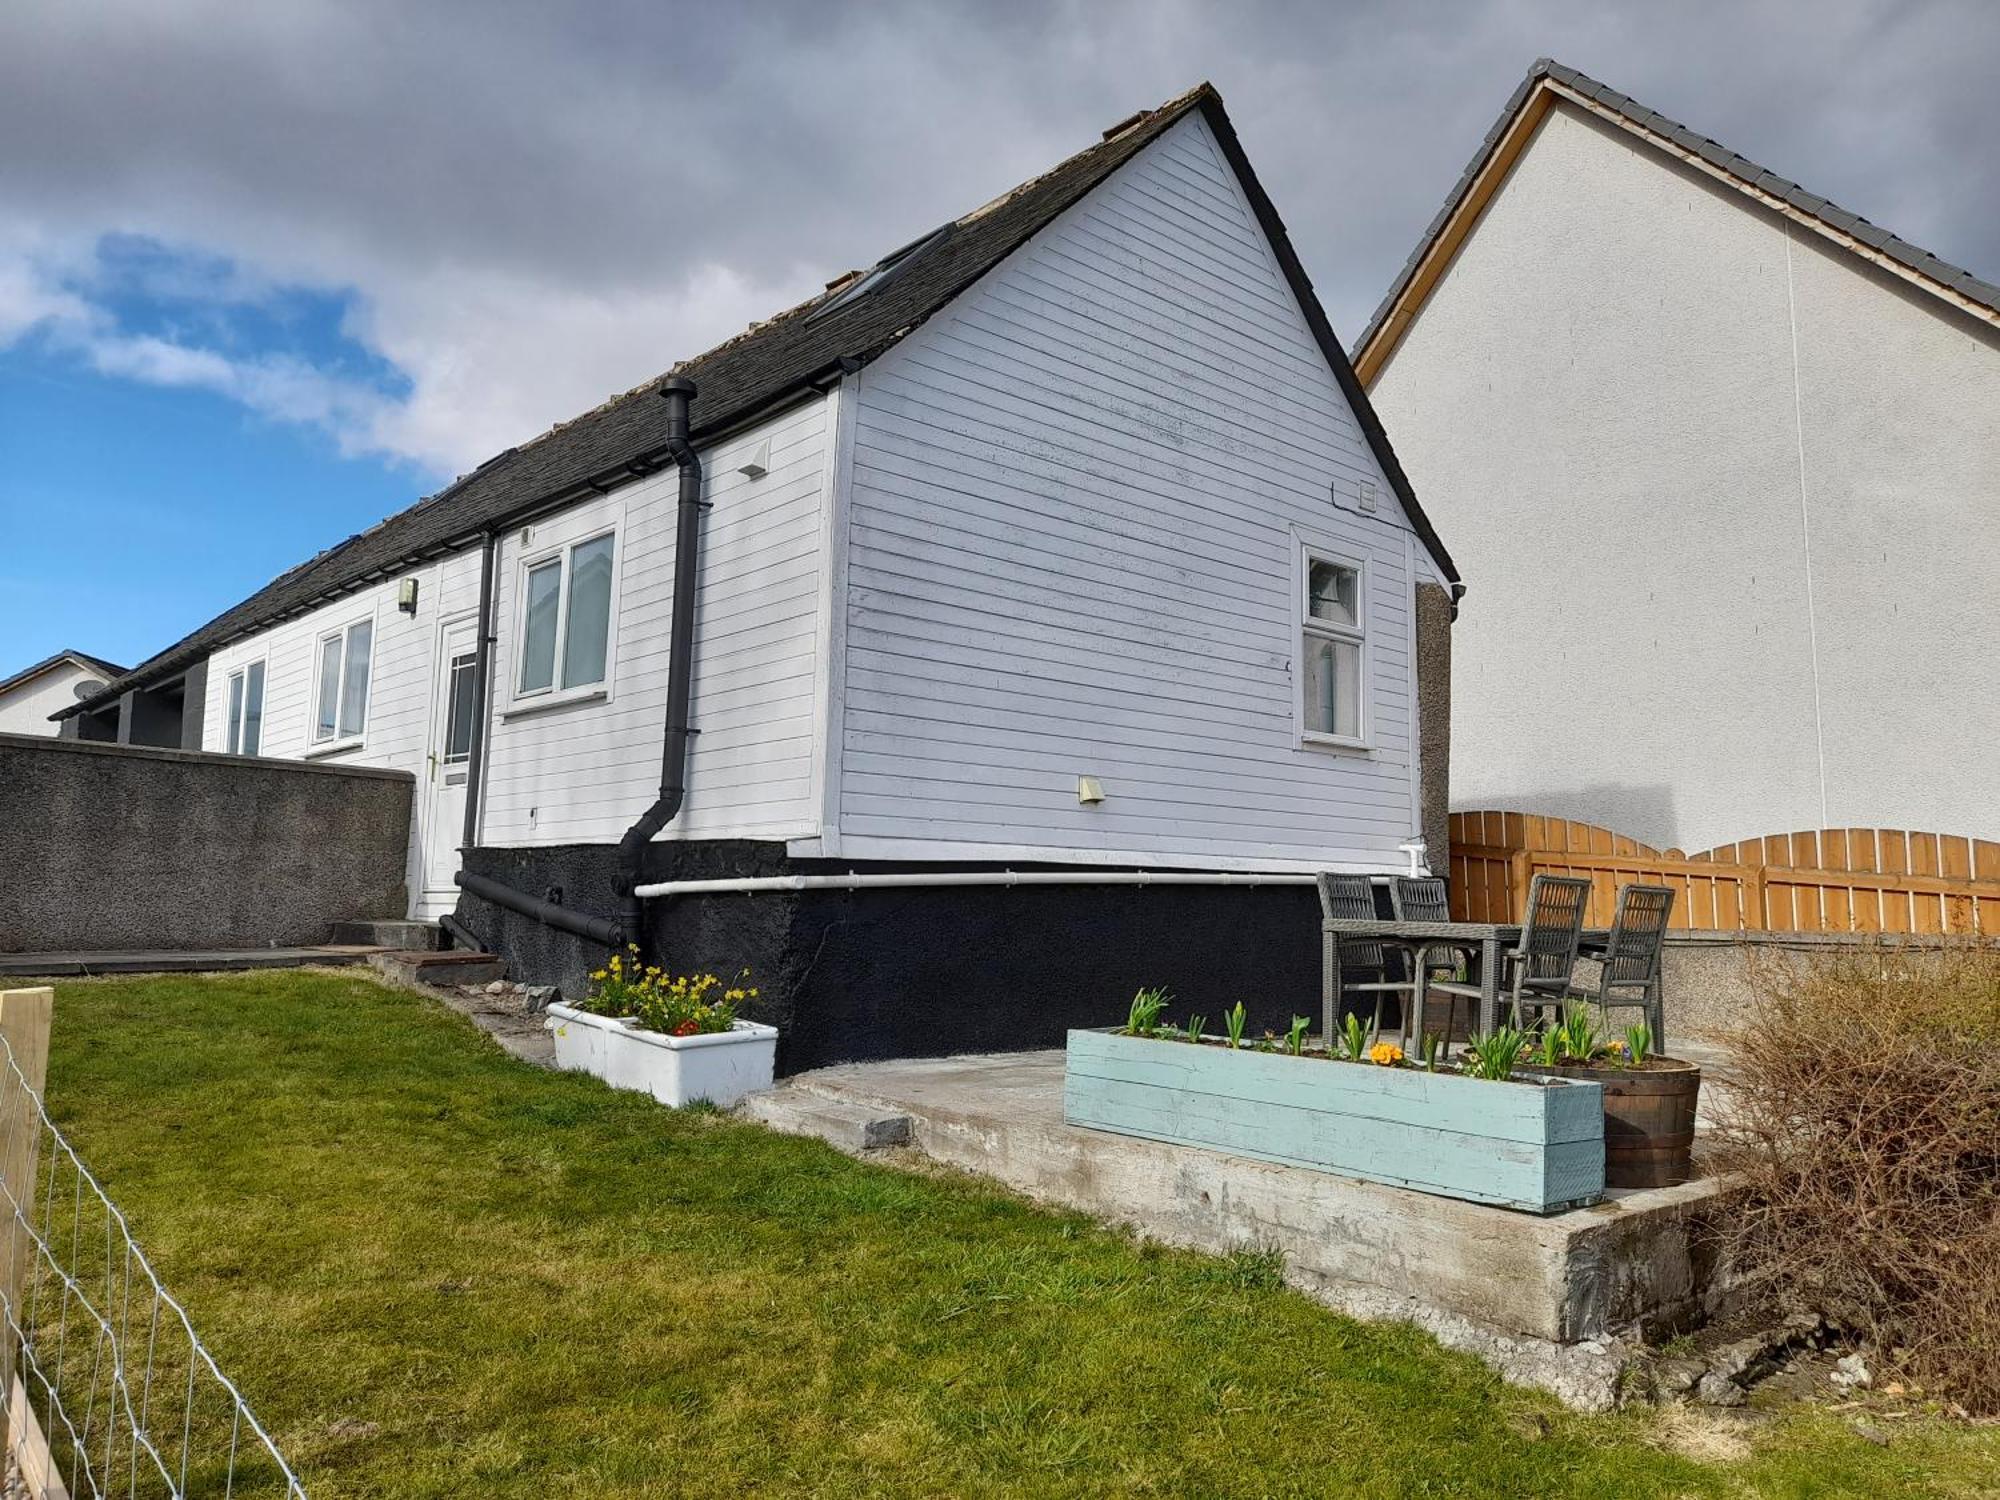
{"x":26,"y":709}
{"x":1634,"y":404}
{"x":1072,"y":548}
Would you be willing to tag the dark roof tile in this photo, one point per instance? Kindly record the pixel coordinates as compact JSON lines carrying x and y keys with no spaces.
{"x":736,"y":380}
{"x":627,"y":434}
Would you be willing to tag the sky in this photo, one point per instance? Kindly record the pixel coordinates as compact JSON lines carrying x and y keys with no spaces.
{"x":271,"y":272}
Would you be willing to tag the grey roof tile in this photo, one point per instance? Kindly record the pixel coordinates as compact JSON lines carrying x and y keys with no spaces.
{"x":627,"y":435}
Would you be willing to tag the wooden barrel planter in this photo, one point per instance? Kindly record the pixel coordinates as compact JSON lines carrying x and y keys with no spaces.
{"x":1648,"y":1119}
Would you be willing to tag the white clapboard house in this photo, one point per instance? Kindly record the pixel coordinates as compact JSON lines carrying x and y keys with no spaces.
{"x":1726,"y":461}
{"x":1062,"y":537}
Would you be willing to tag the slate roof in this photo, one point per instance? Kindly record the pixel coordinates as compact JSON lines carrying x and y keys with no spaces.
{"x":736,"y":380}
{"x":96,"y":664}
{"x":1738,"y":167}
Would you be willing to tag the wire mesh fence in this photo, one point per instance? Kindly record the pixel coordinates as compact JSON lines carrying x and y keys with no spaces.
{"x":127,"y":1399}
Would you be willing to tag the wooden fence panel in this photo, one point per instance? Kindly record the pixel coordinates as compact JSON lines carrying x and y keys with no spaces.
{"x":1845,"y":880}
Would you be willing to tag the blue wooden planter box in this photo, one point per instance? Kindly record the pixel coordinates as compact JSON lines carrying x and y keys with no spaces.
{"x":1538,"y":1146}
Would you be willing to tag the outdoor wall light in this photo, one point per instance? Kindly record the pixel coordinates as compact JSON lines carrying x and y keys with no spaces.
{"x":406,"y":596}
{"x":1089,"y":790}
{"x":757,"y":462}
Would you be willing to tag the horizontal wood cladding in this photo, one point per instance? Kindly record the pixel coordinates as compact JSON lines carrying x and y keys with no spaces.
{"x":580,"y":773}
{"x":1073,"y":533}
{"x":1539,"y":1148}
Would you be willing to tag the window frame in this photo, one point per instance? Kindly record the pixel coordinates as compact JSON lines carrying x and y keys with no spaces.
{"x":337,"y":740}
{"x":1307,"y":626}
{"x":234,"y":722}
{"x":555,"y":695}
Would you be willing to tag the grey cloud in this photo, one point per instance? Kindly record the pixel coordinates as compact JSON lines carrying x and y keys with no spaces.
{"x":497,"y":182}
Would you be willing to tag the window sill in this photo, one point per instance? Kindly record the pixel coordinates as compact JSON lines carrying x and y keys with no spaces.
{"x":334,"y":747}
{"x":523,"y":708}
{"x":1335,"y":743}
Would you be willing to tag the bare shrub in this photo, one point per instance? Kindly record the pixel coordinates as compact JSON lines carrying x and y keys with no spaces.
{"x":1864,"y":1114}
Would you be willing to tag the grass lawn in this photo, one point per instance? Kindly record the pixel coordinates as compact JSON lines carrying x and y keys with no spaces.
{"x":438,"y":1272}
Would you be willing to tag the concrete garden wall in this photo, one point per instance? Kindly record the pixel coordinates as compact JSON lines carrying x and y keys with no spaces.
{"x":123,"y":847}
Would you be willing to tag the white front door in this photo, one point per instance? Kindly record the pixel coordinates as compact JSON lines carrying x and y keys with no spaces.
{"x":455,"y":709}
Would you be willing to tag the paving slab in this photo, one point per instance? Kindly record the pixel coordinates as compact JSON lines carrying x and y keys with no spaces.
{"x":177,"y":961}
{"x":1554,"y":1301}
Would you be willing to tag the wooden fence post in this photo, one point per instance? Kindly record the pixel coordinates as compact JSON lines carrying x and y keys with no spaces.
{"x":24,"y":1021}
{"x":1756,"y":913}
{"x":1520,"y":874}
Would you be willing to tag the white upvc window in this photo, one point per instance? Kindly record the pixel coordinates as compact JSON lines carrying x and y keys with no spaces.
{"x":244,"y":709}
{"x":1333,"y":650}
{"x":340,"y":683}
{"x":564,"y":620}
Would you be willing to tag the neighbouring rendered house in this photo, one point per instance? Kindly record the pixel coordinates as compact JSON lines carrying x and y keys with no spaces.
{"x":1062,"y":540}
{"x":1725,"y":461}
{"x":31,"y":698}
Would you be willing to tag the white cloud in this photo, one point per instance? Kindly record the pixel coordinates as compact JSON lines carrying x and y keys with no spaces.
{"x":529,"y":207}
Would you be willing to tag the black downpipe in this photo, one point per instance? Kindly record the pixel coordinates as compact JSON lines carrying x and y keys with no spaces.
{"x":482,"y":674}
{"x":680,"y":664}
{"x":598,"y":929}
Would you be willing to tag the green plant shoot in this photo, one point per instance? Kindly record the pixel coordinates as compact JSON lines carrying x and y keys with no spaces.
{"x":1638,"y":1044}
{"x":1494,"y":1055}
{"x":1295,"y":1034}
{"x":1580,"y":1037}
{"x":1353,"y":1039}
{"x":1144,"y":1017}
{"x":1232,"y":1022}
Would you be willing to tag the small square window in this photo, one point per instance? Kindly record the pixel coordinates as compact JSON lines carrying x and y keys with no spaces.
{"x":1332,"y":592}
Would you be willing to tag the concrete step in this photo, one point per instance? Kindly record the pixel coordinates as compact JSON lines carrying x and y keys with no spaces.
{"x":414,"y":936}
{"x":847,"y":1127}
{"x":457,"y":967}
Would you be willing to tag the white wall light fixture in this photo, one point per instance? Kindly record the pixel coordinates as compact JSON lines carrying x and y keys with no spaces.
{"x":757,"y":462}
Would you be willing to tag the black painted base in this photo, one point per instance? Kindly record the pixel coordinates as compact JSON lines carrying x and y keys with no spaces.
{"x":858,"y":975}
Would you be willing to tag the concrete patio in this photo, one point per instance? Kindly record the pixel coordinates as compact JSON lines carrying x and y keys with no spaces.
{"x":1557,"y":1302}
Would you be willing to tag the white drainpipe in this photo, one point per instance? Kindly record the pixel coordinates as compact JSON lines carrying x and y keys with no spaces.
{"x":750,"y":884}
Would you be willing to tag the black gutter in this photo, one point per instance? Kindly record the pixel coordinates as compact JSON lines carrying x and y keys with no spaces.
{"x":597,"y":929}
{"x":680,"y":664}
{"x":482,"y":675}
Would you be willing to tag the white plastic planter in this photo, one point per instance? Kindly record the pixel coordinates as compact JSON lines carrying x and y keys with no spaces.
{"x":720,"y":1066}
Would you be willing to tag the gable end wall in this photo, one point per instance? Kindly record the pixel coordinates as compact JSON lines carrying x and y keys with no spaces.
{"x":1076,"y":503}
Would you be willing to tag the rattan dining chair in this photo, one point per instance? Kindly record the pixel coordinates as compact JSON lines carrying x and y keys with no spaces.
{"x":1352,"y":898}
{"x":1539,"y":972}
{"x":1426,"y":898}
{"x":1631,"y":958}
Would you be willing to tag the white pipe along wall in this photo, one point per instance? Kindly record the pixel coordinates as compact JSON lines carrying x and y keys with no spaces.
{"x":751,"y":884}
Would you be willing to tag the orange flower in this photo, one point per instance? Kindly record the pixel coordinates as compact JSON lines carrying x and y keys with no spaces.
{"x":1385,"y":1053}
